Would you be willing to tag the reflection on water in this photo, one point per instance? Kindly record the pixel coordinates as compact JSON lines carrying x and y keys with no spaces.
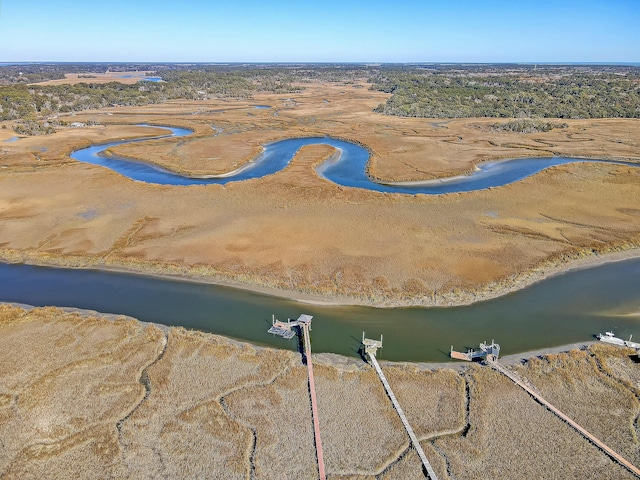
{"x":560,"y":310}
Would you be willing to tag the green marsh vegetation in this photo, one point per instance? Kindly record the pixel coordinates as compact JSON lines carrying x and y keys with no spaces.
{"x":511,"y":92}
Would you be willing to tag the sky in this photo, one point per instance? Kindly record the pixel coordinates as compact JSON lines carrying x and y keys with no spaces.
{"x":479,"y":31}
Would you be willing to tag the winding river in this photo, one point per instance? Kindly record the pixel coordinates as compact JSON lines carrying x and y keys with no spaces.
{"x":347,"y":169}
{"x":560,"y":310}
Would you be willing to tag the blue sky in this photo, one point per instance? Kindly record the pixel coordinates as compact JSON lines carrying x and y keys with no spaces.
{"x":321,"y":31}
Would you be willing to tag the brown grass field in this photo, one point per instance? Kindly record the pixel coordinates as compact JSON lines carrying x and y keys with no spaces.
{"x":83,"y":396}
{"x":297,"y":235}
{"x":121,"y":77}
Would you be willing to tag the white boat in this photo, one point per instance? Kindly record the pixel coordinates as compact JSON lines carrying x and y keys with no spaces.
{"x":609,"y":337}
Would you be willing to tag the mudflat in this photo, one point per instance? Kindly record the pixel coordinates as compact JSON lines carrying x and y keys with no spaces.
{"x":298,"y":235}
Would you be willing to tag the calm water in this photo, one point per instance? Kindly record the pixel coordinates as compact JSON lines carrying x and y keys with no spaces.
{"x":564,"y":309}
{"x":348,"y":170}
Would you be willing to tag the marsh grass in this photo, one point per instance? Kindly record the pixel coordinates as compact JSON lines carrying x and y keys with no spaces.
{"x":595,"y":398}
{"x":512,"y":436}
{"x":66,"y":381}
{"x":361,"y":431}
{"x":433,"y":401}
{"x":85,"y":397}
{"x":280,"y":414}
{"x":182,"y":429}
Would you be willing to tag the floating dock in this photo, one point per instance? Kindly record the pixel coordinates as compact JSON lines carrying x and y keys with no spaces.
{"x":282,"y":329}
{"x":487,"y":351}
{"x":370,"y":348}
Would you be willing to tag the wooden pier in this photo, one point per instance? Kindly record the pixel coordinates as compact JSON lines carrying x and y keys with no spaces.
{"x":314,"y":404}
{"x":286,"y":330}
{"x":595,"y":441}
{"x":487,"y":351}
{"x":370,"y":349}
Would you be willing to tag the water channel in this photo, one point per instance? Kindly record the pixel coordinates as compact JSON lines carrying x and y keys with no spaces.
{"x":347,"y":169}
{"x":568,"y":308}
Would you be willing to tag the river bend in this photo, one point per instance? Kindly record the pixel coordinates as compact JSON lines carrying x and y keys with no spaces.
{"x":348,"y":169}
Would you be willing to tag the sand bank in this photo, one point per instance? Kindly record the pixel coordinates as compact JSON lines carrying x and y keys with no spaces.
{"x":458,"y":298}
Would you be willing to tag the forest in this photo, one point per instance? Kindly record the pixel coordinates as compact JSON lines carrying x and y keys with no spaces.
{"x":549,"y":92}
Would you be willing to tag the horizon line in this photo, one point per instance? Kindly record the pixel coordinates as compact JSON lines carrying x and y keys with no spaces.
{"x":354,"y":62}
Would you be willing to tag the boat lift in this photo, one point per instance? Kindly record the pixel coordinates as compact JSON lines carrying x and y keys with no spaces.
{"x":487,"y":351}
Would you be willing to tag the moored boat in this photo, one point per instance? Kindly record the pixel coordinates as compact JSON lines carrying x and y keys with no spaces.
{"x":609,"y":337}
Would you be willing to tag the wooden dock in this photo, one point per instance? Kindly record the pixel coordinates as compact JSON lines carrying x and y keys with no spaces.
{"x":487,"y":350}
{"x":287,"y":330}
{"x":598,"y":443}
{"x":314,"y":402}
{"x":370,"y":347}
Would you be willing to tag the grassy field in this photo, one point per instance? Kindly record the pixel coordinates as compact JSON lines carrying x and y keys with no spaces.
{"x":581,"y":382}
{"x":84,"y":396}
{"x":298,"y":235}
{"x":511,"y":436}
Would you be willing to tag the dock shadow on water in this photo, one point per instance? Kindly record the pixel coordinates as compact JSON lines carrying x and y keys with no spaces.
{"x":300,"y":341}
{"x":558,"y":311}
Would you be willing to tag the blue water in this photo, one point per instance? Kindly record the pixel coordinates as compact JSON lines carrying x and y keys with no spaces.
{"x":492,"y":174}
{"x":348,"y":169}
{"x":569,"y":308}
{"x":142,"y":79}
{"x":12,"y":139}
{"x":272,"y":160}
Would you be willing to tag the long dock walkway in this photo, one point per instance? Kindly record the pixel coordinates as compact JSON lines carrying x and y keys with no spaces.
{"x":598,"y":443}
{"x":405,"y":422}
{"x":314,"y":403}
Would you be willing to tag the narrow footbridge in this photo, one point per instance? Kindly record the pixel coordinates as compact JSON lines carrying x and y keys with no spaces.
{"x":286,"y":330}
{"x":598,"y":443}
{"x":370,"y":347}
{"x":314,"y":402}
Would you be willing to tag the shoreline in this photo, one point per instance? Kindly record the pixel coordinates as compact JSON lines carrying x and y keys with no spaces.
{"x":496,"y":289}
{"x":336,"y":360}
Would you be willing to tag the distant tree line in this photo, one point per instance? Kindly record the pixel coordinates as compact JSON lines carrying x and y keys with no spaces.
{"x":29,"y":102}
{"x":41,"y":72}
{"x":429,"y":90}
{"x":22,"y":101}
{"x":527,"y":125}
{"x":549,"y":93}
